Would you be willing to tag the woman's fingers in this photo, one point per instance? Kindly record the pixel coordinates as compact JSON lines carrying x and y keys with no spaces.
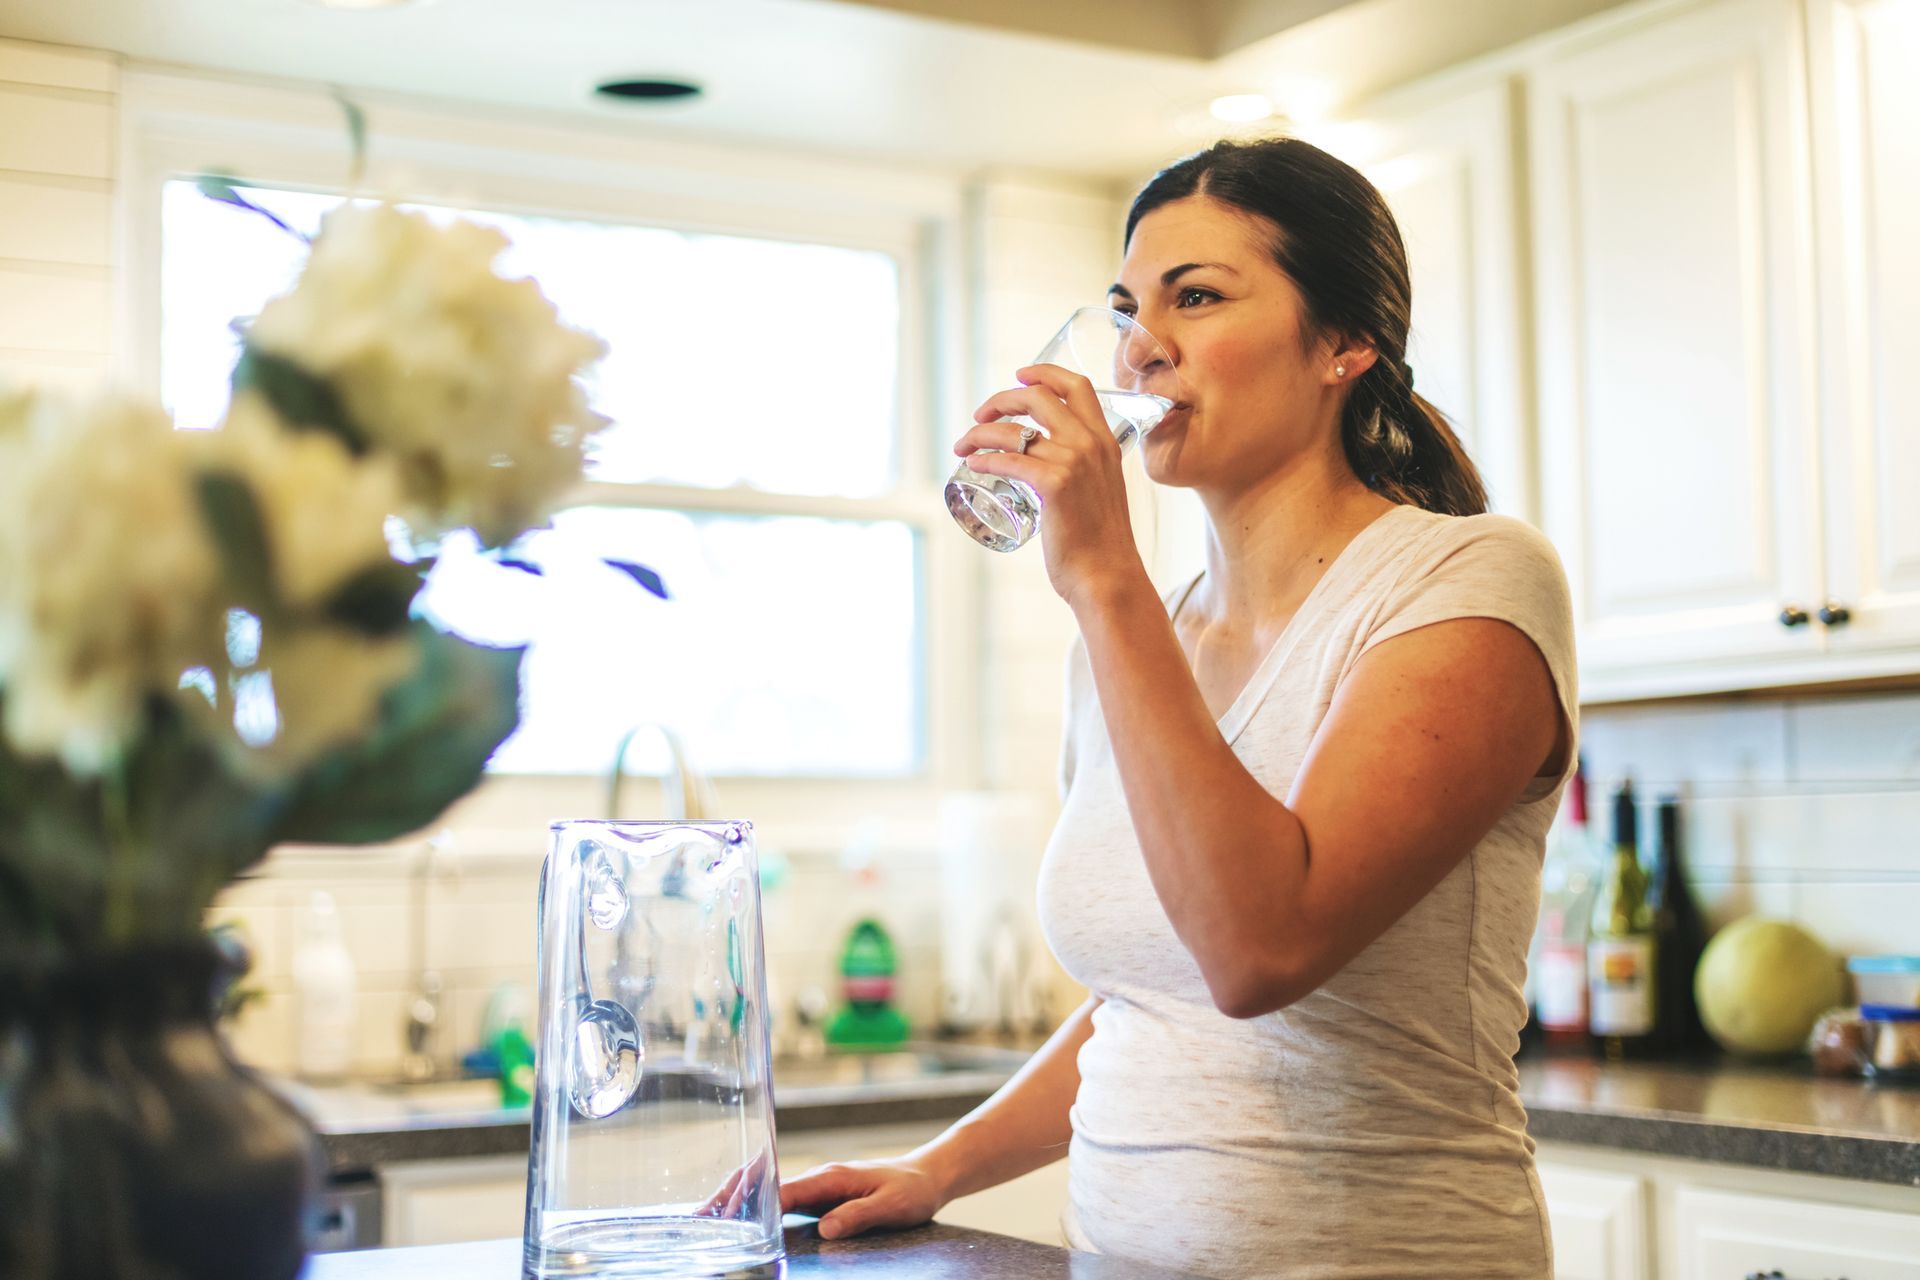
{"x":1004,"y":436}
{"x":716,"y":1205}
{"x":1073,"y":389}
{"x":1061,"y":421}
{"x":822,"y":1188}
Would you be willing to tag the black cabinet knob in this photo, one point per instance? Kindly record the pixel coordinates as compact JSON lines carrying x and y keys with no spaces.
{"x":1835,"y":615}
{"x":1794,"y":616}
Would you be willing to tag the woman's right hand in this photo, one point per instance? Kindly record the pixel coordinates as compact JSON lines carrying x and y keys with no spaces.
{"x":862,"y":1195}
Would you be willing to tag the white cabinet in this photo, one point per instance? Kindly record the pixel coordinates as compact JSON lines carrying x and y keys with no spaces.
{"x":1674,"y":303}
{"x":1625,"y":1213}
{"x":449,"y":1201}
{"x":1732,"y":1235}
{"x":1725,"y":285}
{"x":1599,"y":1222}
{"x":1866,"y":154}
{"x":1446,"y":168}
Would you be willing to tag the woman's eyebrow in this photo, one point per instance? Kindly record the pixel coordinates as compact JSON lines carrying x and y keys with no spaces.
{"x":1172,"y":274}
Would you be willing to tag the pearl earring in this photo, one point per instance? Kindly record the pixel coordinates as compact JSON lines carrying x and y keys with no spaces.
{"x":1339,"y":371}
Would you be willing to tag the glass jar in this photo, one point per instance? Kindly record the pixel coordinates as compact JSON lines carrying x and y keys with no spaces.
{"x":653,"y":1143}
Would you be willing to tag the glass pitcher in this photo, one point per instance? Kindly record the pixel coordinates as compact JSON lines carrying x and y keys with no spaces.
{"x":653,"y":1145}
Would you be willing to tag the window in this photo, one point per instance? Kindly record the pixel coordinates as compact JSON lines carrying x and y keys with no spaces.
{"x":756,"y":462}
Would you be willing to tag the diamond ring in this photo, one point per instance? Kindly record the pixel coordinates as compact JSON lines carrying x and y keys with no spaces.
{"x":1027,"y":435}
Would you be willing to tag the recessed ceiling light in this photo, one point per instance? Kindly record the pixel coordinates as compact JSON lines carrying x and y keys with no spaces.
{"x":648,"y":90}
{"x":1241,"y":108}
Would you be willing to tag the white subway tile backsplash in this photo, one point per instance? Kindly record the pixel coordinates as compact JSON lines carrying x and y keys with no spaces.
{"x":1807,"y":836}
{"x":1862,"y":918}
{"x":55,"y":220}
{"x":58,"y":67}
{"x":1715,"y":743}
{"x":261,"y":1035}
{"x":55,"y":309}
{"x":62,"y":371}
{"x":55,"y":131}
{"x":1874,"y":739}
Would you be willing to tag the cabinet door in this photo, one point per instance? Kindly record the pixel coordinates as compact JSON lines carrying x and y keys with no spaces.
{"x":1446,"y":169}
{"x":1867,"y":166}
{"x":1599,"y":1223}
{"x":449,"y":1201}
{"x":1725,"y":1235}
{"x":1672,"y":245}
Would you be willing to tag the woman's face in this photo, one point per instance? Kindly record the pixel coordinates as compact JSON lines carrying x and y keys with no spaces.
{"x":1200,"y":276}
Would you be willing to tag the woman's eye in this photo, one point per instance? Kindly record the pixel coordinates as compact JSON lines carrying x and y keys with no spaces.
{"x":1195,"y":296}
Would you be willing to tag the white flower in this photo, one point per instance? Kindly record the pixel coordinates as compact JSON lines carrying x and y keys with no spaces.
{"x":325,"y":511}
{"x":107,"y":577}
{"x":468,"y":379}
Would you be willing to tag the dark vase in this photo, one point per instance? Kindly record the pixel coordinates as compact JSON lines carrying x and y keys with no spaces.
{"x":132,"y":1145}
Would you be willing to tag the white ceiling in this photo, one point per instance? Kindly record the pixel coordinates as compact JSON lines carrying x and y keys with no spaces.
{"x":1099,"y":88}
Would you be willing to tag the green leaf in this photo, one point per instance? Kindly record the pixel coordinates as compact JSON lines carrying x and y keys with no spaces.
{"x":437,"y":730}
{"x":233,"y":516}
{"x":378,"y":600}
{"x":225,"y":189}
{"x":305,"y":400}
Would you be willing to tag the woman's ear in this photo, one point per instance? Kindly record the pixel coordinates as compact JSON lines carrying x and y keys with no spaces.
{"x":1347,"y":362}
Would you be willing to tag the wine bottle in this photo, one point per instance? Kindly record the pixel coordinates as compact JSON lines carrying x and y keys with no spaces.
{"x":1622,"y":998}
{"x":1567,"y":886}
{"x":1680,"y":935}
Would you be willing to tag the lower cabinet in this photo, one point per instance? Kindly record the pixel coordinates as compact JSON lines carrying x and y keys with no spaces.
{"x":1599,"y":1222}
{"x":1729,"y":1234}
{"x":1618,"y":1214}
{"x":449,"y":1201}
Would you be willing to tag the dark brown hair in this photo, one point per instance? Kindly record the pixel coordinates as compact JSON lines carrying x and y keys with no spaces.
{"x":1337,"y":241}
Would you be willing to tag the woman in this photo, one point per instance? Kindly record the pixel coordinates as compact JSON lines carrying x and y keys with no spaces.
{"x":1306,"y":796}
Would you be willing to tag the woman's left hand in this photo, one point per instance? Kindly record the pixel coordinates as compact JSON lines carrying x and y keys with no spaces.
{"x":1075,"y":467}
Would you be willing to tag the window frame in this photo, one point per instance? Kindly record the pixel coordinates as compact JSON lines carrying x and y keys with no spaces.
{"x":175,"y":125}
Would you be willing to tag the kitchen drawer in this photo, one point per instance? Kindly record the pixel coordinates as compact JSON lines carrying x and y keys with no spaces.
{"x":1724,"y":1235}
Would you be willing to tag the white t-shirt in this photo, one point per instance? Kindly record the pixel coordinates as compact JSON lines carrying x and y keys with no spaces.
{"x":1373,"y":1128}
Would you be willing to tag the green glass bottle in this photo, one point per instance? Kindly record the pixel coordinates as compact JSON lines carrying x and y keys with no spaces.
{"x":1621,"y":950}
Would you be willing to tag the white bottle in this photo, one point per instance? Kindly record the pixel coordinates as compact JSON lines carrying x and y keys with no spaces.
{"x":324,"y":995}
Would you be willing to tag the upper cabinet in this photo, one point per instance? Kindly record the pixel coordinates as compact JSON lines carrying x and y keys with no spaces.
{"x":1864,"y":55}
{"x":1446,"y":167}
{"x":1717,"y":284}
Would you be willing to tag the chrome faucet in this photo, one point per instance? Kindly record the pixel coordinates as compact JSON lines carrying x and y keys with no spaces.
{"x":424,"y":1021}
{"x":686,"y":795}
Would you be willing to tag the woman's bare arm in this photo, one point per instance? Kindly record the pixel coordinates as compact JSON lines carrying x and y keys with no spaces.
{"x":1020,"y":1128}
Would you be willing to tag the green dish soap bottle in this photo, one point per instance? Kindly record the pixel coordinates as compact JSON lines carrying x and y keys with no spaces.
{"x":868,"y":1022}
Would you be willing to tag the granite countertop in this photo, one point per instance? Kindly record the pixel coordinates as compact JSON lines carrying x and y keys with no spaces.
{"x":1774,"y":1117}
{"x":926,"y":1253}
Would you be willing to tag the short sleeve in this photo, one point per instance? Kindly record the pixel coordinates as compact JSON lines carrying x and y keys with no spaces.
{"x":1492,"y":567}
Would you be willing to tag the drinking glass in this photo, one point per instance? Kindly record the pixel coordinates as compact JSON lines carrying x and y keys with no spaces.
{"x":1136,"y":385}
{"x":652,"y":1150}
